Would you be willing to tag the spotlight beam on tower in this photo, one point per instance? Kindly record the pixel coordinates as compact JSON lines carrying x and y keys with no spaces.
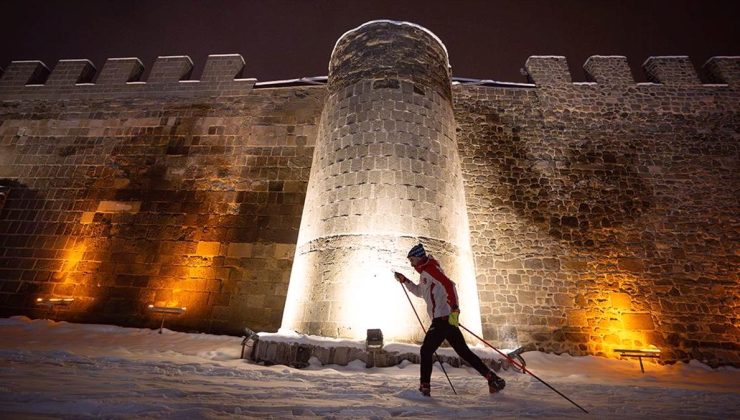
{"x":386,"y":174}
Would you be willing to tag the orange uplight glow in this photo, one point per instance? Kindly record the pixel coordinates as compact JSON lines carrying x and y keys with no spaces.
{"x":624,"y":337}
{"x":618,"y":324}
{"x":187,"y":286}
{"x":67,"y":279}
{"x":73,"y":257}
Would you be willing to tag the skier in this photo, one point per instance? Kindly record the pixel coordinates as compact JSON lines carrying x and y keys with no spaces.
{"x":440,"y":295}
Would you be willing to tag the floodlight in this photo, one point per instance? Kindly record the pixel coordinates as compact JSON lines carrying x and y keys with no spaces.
{"x":166,"y":310}
{"x":374,"y":339}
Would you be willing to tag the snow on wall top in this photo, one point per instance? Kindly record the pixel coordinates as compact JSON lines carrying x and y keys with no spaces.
{"x":549,"y":70}
{"x":398,"y":23}
{"x":121,"y":77}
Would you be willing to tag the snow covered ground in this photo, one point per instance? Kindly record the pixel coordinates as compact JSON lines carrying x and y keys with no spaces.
{"x":56,"y":369}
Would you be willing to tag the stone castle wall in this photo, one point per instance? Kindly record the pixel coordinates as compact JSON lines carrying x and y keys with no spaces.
{"x":386,"y":174}
{"x":601,"y":214}
{"x":604,"y":215}
{"x":164,"y":192}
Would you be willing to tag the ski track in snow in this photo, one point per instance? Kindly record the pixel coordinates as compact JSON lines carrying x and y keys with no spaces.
{"x":63,"y":370}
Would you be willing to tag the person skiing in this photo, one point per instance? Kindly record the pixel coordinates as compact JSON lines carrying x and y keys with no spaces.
{"x":440,"y":295}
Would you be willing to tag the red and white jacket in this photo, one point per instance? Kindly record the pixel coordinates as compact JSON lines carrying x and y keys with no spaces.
{"x":435,"y":287}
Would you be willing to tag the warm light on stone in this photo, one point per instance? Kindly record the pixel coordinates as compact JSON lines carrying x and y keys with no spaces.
{"x":386,"y":175}
{"x":575,"y":217}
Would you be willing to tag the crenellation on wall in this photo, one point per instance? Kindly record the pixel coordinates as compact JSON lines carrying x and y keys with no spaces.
{"x":548,"y":70}
{"x":120,"y":77}
{"x":723,"y":70}
{"x":170,"y":69}
{"x":671,"y":70}
{"x":222,"y":67}
{"x":118,"y":71}
{"x":674,"y":71}
{"x":21,"y":73}
{"x":71,"y":72}
{"x":612,"y":70}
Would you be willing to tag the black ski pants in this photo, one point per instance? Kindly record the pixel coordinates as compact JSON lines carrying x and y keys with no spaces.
{"x":440,"y":331}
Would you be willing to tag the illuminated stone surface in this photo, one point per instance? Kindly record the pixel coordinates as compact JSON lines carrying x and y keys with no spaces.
{"x":625,"y":193}
{"x":587,"y":202}
{"x":386,"y":175}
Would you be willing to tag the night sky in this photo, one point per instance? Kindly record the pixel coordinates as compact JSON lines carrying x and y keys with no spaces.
{"x":283,"y":39}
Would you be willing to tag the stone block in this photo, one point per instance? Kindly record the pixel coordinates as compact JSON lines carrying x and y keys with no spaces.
{"x":323,"y":354}
{"x":177,"y":247}
{"x":631,"y":264}
{"x":170,"y":69}
{"x":533,"y":263}
{"x":638,"y":321}
{"x":563,"y":300}
{"x":263,"y":250}
{"x":723,"y":70}
{"x":240,"y":250}
{"x":671,"y":70}
{"x":222,"y":68}
{"x":576,"y":337}
{"x":340,"y":356}
{"x":118,"y":207}
{"x":208,"y":249}
{"x":551,"y":263}
{"x":575,"y":264}
{"x":508,"y":265}
{"x":87,"y":217}
{"x":526,"y":298}
{"x":548,"y":70}
{"x":577,"y":319}
{"x":70,"y":72}
{"x":119,"y":71}
{"x":119,"y":183}
{"x":284,"y":251}
{"x":610,"y":70}
{"x":621,"y":301}
{"x":271,"y":351}
{"x":21,"y":73}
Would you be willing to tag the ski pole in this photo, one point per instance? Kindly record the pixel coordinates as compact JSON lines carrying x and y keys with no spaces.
{"x":522,"y":367}
{"x":425,"y":331}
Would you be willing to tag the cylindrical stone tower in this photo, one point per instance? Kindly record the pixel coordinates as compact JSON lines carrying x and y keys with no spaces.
{"x":385,"y":176}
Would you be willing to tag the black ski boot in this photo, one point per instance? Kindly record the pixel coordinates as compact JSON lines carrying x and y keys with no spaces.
{"x":426,"y":389}
{"x":495,"y":382}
